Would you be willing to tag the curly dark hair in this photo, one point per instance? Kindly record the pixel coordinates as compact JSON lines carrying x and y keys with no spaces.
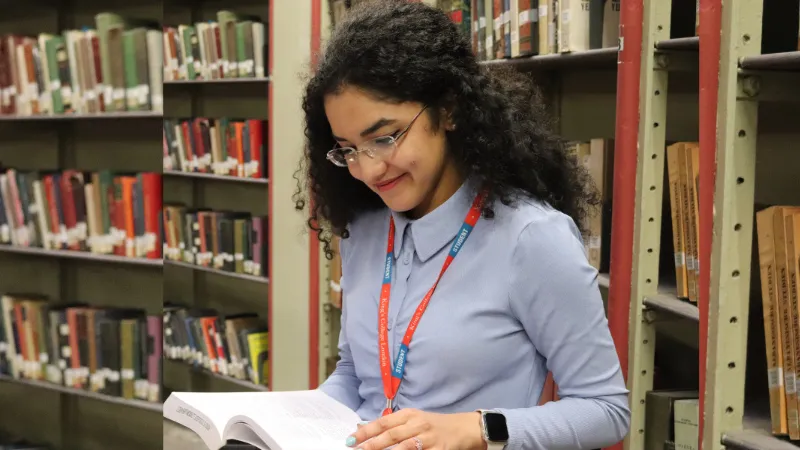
{"x":402,"y":51}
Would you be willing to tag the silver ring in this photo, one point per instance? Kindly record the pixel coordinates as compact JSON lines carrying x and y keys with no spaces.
{"x":418,"y":443}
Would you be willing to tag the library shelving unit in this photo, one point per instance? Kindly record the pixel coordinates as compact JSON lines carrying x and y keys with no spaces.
{"x":749,"y":126}
{"x":744,"y":104}
{"x":121,"y":142}
{"x":287,"y":295}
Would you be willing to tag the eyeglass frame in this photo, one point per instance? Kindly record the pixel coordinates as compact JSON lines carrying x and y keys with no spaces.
{"x":355,"y":151}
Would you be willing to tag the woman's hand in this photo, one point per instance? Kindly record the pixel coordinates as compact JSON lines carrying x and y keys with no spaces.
{"x":460,"y":431}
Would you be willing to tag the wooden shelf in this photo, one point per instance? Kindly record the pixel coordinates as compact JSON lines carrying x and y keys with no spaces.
{"x":140,"y":404}
{"x":249,"y":80}
{"x":212,"y":177}
{"x":194,"y":369}
{"x":241,"y":276}
{"x":601,"y":57}
{"x":70,"y":117}
{"x":787,"y":61}
{"x":668,"y":302}
{"x":71,"y":254}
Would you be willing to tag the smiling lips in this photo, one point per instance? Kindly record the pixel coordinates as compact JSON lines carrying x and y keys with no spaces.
{"x":389,"y":184}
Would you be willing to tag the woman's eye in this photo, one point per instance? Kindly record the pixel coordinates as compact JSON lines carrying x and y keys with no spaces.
{"x":384,"y":140}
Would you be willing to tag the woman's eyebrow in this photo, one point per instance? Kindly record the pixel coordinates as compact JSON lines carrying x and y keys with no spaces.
{"x":380,"y":123}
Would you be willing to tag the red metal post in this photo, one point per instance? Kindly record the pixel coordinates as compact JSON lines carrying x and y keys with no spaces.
{"x":625,"y":162}
{"x":709,"y":32}
{"x":313,"y":241}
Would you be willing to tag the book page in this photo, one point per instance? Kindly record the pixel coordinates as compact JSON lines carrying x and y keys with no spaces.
{"x":309,"y":419}
{"x":203,"y":413}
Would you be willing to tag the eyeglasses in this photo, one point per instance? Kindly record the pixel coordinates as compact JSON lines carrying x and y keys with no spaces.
{"x":379,"y":147}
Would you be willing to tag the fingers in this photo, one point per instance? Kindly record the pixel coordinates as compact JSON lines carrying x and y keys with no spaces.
{"x":384,"y":432}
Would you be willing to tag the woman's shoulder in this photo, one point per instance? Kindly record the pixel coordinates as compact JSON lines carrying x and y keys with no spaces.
{"x":534,"y":222}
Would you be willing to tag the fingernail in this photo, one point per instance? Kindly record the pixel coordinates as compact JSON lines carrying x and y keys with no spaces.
{"x":351,"y":441}
{"x":363,"y":422}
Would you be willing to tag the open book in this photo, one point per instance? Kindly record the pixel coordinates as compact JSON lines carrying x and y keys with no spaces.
{"x":297,"y":420}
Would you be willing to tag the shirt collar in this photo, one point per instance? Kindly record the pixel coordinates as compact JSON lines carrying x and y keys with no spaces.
{"x":437,"y":228}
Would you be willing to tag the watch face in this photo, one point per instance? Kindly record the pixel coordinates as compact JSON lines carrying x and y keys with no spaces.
{"x":496,"y":428}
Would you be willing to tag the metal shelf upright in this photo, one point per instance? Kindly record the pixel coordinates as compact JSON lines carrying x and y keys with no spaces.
{"x":647,"y":59}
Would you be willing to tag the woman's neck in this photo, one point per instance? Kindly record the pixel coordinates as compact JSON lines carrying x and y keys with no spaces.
{"x":449,"y":182}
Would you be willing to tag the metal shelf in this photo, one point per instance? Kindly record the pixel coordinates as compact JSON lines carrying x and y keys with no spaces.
{"x":194,"y":369}
{"x":668,"y":302}
{"x":72,"y":254}
{"x":604,"y":280}
{"x":687,"y":43}
{"x":84,"y":116}
{"x":141,"y":404}
{"x":250,"y":80}
{"x":601,"y":57}
{"x":755,"y":435}
{"x":241,"y":276}
{"x":209,"y":176}
{"x":787,"y":61}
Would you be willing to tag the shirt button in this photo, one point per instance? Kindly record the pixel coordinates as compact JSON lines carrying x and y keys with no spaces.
{"x":407,"y":259}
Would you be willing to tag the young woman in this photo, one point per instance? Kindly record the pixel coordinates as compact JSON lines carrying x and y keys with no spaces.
{"x":464,"y":274}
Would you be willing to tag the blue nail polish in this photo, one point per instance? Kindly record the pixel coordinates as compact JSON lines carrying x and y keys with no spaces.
{"x":351,"y":441}
{"x":363,"y":422}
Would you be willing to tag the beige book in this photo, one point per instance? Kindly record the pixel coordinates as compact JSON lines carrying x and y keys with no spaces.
{"x":676,"y":195}
{"x":693,"y":150}
{"x":593,"y":155}
{"x":792,"y":234}
{"x":544,"y":26}
{"x":553,"y":29}
{"x":574,"y":26}
{"x":686,"y":424}
{"x":772,"y":316}
{"x":787,"y":313}
{"x":688,"y":220}
{"x":611,"y":23}
{"x":488,"y":19}
{"x":514,"y":19}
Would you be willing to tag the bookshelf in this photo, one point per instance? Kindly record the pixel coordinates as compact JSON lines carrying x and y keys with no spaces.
{"x":284,"y":295}
{"x":746,"y":121}
{"x":92,"y":139}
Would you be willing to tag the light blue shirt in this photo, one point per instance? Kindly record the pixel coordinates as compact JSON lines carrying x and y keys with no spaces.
{"x":520,"y":299}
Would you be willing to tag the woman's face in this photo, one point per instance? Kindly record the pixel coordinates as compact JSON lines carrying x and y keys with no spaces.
{"x":405,"y":177}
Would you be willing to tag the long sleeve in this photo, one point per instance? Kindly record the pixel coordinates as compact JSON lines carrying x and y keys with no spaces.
{"x":343,"y":383}
{"x":554,"y":294}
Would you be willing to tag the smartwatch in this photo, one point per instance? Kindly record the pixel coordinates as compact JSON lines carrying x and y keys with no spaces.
{"x":495,"y":430}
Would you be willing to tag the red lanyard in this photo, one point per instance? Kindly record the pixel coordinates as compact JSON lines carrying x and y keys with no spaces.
{"x":393,"y":376}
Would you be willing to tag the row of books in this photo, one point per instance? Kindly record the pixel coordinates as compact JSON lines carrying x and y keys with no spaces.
{"x":233,"y":46}
{"x":98,"y":212}
{"x":225,"y":146}
{"x":229,"y":241}
{"x":235,"y":346}
{"x":597,"y":157}
{"x":110,"y":351}
{"x":513,"y":28}
{"x":778,"y":231}
{"x":116,"y":66}
{"x":683,"y":173}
